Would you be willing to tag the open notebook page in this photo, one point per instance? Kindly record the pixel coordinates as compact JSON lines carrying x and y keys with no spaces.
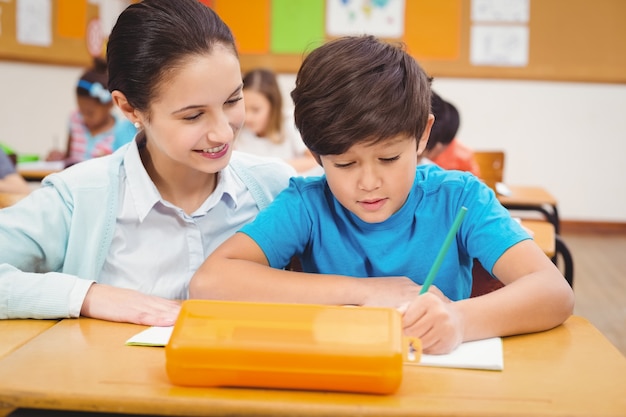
{"x":480,"y":354}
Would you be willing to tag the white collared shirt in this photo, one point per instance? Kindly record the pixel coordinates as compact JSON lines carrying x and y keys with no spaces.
{"x":156,"y":246}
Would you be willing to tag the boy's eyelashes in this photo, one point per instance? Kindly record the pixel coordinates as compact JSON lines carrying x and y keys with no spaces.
{"x":338,"y":165}
{"x":347,"y":164}
{"x":393,"y":158}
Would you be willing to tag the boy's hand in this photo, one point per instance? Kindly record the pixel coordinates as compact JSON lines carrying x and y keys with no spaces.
{"x":123,"y":305}
{"x":435,"y":321}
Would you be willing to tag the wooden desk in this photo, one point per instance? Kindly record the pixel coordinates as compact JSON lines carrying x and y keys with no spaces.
{"x":543,"y":235}
{"x":14,"y":334}
{"x":83,"y":364}
{"x":532,"y":198}
{"x":37,"y":170}
{"x":8,"y":199}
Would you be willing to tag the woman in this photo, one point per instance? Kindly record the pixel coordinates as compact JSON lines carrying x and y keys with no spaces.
{"x":118,"y":237}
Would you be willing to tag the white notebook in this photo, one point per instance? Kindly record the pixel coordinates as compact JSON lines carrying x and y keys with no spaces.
{"x":480,"y":354}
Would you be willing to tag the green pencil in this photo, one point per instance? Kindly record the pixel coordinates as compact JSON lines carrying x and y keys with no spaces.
{"x":444,"y":249}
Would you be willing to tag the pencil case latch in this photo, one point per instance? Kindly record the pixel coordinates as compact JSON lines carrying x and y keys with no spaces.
{"x":411,"y":349}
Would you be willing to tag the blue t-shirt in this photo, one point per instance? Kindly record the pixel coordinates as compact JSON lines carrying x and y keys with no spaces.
{"x":307,"y":220}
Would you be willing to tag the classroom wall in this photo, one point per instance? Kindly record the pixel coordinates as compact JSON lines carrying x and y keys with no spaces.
{"x":568,"y":137}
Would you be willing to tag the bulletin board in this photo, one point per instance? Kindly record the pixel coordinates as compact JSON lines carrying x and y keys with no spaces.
{"x":566,"y":40}
{"x":56,"y":32}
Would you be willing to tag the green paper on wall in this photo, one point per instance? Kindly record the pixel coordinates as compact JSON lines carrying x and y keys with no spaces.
{"x":297,"y":26}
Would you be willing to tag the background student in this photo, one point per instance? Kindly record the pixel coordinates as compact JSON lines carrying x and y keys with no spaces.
{"x":444,"y":148}
{"x":268,"y":131}
{"x":94,"y":128}
{"x":368,"y":232}
{"x":10,"y":180}
{"x":119,"y":237}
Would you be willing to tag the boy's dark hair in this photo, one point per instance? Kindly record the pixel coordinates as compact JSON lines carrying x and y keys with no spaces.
{"x":359,"y":89}
{"x":152,"y":38}
{"x":446,"y":124}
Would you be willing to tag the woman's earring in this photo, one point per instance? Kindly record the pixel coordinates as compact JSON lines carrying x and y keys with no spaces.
{"x":137,"y":125}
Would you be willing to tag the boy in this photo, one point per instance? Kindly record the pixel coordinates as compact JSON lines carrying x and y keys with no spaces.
{"x":369,"y":230}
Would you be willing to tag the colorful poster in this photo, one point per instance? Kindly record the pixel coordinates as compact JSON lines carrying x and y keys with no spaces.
{"x":382,"y":18}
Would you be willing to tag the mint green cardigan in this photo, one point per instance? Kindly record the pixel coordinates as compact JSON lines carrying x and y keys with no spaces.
{"x":54,"y":243}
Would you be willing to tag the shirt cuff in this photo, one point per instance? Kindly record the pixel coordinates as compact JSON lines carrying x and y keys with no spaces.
{"x":77,"y":296}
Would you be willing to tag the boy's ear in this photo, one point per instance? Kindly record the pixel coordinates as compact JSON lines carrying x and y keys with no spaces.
{"x":122,"y":103}
{"x":423,"y":141}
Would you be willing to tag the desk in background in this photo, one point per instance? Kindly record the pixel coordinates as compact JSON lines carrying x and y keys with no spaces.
{"x":83,"y":364}
{"x":37,"y":170}
{"x":532,"y":198}
{"x":538,"y":199}
{"x":8,"y":199}
{"x":543,"y":235}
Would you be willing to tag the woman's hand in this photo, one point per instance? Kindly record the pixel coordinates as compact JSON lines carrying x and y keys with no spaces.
{"x":123,"y":305}
{"x":435,"y":321}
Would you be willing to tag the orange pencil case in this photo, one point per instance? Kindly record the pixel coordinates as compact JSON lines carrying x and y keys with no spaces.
{"x":288,"y":346}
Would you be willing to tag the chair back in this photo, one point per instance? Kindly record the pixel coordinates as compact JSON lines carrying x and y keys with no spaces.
{"x":491,"y":165}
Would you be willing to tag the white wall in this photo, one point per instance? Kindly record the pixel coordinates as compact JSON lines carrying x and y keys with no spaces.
{"x":568,"y":137}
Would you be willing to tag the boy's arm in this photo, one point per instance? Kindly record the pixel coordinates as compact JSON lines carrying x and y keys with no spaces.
{"x":536,"y":297}
{"x":239,"y":270}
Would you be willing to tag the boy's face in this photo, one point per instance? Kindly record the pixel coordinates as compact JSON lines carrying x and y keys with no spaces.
{"x":373,"y":180}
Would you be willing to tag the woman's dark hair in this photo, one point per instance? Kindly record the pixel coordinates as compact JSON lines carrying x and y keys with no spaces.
{"x":152,"y":38}
{"x":359,"y":89}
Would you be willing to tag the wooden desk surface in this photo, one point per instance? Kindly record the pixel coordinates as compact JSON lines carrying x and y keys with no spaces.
{"x":37,"y":170}
{"x":527,"y":195}
{"x":14,"y":334}
{"x":8,"y":199}
{"x":83,"y":364}
{"x":543,"y":235}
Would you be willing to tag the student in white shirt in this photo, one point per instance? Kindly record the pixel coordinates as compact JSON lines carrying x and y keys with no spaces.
{"x":119,"y":237}
{"x":268,"y":131}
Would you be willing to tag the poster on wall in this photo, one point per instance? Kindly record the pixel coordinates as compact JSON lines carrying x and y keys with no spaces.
{"x":499,"y":35}
{"x":33,"y":22}
{"x":382,"y":18}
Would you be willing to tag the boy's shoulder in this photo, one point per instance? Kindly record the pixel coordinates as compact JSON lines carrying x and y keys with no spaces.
{"x":432,"y":178}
